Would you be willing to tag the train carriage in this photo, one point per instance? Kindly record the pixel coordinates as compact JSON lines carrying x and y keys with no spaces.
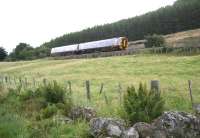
{"x":113,"y":44}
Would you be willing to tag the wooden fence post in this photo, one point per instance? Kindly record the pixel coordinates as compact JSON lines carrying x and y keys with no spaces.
{"x":155,"y":85}
{"x":6,"y":79}
{"x":190,"y":91}
{"x":70,"y":87}
{"x":120,"y":93}
{"x":88,"y":89}
{"x":45,"y":82}
{"x":34,"y":83}
{"x":101,"y":89}
{"x":105,"y":98}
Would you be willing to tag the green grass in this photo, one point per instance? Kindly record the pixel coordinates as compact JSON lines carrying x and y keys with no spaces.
{"x":172,"y":71}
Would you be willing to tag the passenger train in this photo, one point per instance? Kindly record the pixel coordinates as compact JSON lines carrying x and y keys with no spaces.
{"x":113,"y":44}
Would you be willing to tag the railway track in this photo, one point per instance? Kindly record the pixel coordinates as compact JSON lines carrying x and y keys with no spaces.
{"x":101,"y":54}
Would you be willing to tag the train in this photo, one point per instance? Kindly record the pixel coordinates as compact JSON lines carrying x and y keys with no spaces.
{"x":107,"y":45}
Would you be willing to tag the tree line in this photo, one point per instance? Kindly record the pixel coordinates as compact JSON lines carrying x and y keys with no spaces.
{"x":182,"y":15}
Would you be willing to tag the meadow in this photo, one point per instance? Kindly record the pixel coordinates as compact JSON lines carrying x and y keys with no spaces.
{"x":173,"y":72}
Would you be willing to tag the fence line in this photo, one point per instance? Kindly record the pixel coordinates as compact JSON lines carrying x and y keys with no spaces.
{"x":25,"y":83}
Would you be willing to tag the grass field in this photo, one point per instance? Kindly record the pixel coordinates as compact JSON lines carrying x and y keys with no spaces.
{"x":172,"y":71}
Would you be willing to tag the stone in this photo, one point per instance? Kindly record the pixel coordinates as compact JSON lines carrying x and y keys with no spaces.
{"x":130,"y":133}
{"x":196,"y":107}
{"x":86,"y":113}
{"x":106,"y":127}
{"x":178,"y":125}
{"x":62,"y":119}
{"x":145,"y":130}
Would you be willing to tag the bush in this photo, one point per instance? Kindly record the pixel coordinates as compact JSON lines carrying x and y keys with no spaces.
{"x":154,"y":41}
{"x":28,"y":94}
{"x":143,"y":105}
{"x":49,"y":111}
{"x":53,"y":93}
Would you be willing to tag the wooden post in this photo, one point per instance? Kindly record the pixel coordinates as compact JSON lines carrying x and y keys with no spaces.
{"x":190,"y":91}
{"x":45,"y":82}
{"x":70,"y":87}
{"x":155,"y":85}
{"x":88,"y":89}
{"x":34,"y":83}
{"x":120,"y":93}
{"x":6,"y":79}
{"x":20,"y":81}
{"x":26,"y":82}
{"x":101,"y":89}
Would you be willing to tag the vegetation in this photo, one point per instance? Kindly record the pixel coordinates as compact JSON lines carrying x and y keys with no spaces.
{"x":172,"y":71}
{"x":26,"y":113}
{"x":3,"y":54}
{"x":183,"y":15}
{"x":142,"y":105}
{"x":154,"y":41}
{"x":24,"y":51}
{"x":34,"y":109}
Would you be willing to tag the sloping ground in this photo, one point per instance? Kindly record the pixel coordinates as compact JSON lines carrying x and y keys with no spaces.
{"x":173,"y":73}
{"x":186,"y":38}
{"x":189,"y":38}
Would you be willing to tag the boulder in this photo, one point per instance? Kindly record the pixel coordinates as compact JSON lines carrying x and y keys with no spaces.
{"x":106,"y":127}
{"x":178,"y":125}
{"x":130,"y":133}
{"x":196,"y":107}
{"x":145,"y":130}
{"x":86,"y":113}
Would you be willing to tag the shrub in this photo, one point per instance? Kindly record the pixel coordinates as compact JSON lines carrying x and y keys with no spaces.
{"x":142,"y":105}
{"x":49,"y":111}
{"x":154,"y":41}
{"x":53,"y":93}
{"x":29,"y":94}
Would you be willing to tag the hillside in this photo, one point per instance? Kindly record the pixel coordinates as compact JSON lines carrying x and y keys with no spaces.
{"x":172,"y":71}
{"x":183,"y":15}
{"x":188,"y":38}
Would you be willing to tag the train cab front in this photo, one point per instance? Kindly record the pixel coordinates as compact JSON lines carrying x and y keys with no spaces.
{"x":124,"y":43}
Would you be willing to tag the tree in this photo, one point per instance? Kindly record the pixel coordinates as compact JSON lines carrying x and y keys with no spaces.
{"x":154,"y":41}
{"x":3,"y":54}
{"x":22,"y":51}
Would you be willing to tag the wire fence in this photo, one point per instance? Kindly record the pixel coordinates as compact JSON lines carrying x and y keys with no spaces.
{"x":189,"y":90}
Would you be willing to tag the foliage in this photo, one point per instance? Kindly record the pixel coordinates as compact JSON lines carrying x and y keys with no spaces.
{"x":11,"y":125}
{"x":154,"y":41}
{"x":3,"y":54}
{"x":49,"y":111}
{"x":142,"y":105}
{"x":53,"y":92}
{"x":24,"y":51}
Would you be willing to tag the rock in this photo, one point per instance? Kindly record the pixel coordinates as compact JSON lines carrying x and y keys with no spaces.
{"x":178,"y":125}
{"x":106,"y":127}
{"x":62,"y":119}
{"x":82,"y":112}
{"x":196,"y":107}
{"x":130,"y":133}
{"x":145,"y":130}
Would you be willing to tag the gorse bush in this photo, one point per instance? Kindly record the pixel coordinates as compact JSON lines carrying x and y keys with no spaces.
{"x":154,"y":41}
{"x":142,"y":105}
{"x":53,"y":92}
